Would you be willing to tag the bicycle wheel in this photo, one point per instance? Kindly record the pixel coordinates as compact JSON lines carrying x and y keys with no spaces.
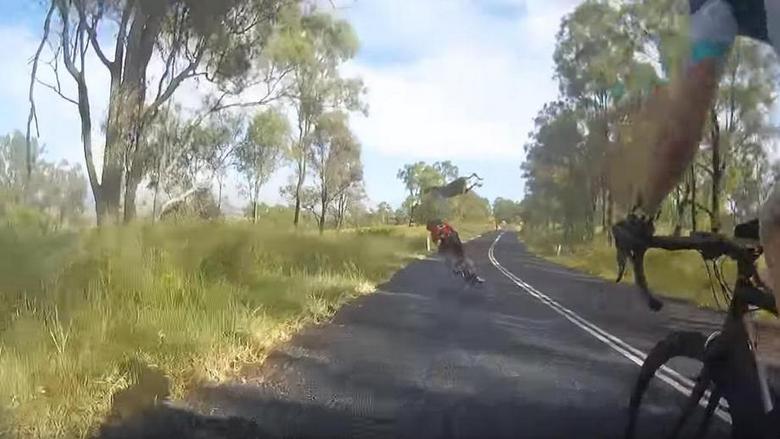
{"x":677,"y":344}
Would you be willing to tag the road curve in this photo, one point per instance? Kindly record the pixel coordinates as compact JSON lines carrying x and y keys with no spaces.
{"x":538,"y":351}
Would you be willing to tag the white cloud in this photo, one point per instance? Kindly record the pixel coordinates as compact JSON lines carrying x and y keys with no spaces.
{"x":460,"y":103}
{"x":472,"y":86}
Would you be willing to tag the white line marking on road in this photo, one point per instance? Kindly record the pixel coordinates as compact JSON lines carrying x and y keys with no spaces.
{"x":666,"y":374}
{"x":472,"y":238}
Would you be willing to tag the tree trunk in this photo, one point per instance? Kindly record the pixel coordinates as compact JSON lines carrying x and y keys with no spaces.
{"x":84,"y":109}
{"x":693,"y":197}
{"x":298,"y":187}
{"x":610,"y":212}
{"x":126,"y":104}
{"x":323,"y":207}
{"x":119,"y":129}
{"x":219,"y":196}
{"x":297,"y":208}
{"x":717,"y":174}
{"x":603,"y":208}
{"x":342,"y":209}
{"x":161,"y":172}
{"x":131,"y":190}
{"x":132,"y":182}
{"x":155,"y":200}
{"x":255,"y":196}
{"x":127,"y":93}
{"x":604,"y":115}
{"x":676,"y":200}
{"x":118,"y":140}
{"x":304,"y":128}
{"x":682,"y":200}
{"x":86,"y":140}
{"x":339,"y":215}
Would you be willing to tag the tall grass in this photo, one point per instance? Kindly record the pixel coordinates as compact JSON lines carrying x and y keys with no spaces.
{"x":196,"y":301}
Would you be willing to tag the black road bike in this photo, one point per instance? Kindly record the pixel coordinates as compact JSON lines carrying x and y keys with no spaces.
{"x":729,"y":369}
{"x":451,"y":249}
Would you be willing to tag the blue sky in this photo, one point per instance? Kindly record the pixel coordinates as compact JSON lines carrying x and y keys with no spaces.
{"x":456,"y":80}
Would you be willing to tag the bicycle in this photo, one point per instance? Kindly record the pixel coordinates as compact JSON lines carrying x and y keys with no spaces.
{"x":729,"y":369}
{"x":459,"y":265}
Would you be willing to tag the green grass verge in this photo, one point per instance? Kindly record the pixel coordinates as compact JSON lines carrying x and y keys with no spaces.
{"x":197,"y":301}
{"x":472,"y":230}
{"x":678,"y":275}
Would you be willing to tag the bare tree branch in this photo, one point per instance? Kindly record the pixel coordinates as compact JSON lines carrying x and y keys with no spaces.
{"x":271,"y":94}
{"x":265,"y":100}
{"x":67,"y":56}
{"x":84,"y":108}
{"x":92,"y":32}
{"x":169,"y":66}
{"x":58,"y":91}
{"x":170,"y":62}
{"x":55,"y":66}
{"x":78,"y":43}
{"x":175,"y":82}
{"x":33,"y":116}
{"x":121,"y":36}
{"x":82,"y":48}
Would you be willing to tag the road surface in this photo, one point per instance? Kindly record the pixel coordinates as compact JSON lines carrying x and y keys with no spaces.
{"x":538,"y":351}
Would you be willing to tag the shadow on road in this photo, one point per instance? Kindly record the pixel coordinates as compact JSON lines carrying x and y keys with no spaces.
{"x":423,"y":357}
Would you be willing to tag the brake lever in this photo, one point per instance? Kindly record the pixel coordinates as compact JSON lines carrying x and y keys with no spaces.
{"x":639,"y":277}
{"x":621,"y":262}
{"x":631,"y":241}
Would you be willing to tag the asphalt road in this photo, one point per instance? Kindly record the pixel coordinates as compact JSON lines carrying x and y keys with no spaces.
{"x":538,"y":351}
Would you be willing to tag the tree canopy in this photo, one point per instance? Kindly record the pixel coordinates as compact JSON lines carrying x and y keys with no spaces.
{"x":586,"y":155}
{"x":268,"y":73}
{"x":56,"y":190}
{"x":260,"y":153}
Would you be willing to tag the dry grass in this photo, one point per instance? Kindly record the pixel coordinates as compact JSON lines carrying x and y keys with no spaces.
{"x":195,"y":300}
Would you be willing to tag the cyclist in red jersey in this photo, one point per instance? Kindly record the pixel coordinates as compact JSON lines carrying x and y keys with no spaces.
{"x":451,"y":247}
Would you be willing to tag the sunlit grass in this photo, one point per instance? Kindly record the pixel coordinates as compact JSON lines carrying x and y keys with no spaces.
{"x":472,"y":230}
{"x":197,"y":301}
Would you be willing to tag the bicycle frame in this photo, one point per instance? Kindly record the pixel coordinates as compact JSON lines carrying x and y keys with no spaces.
{"x":730,"y":363}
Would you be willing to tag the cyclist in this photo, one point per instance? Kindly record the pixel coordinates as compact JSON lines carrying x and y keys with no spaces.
{"x":451,"y":247}
{"x":714,"y":24}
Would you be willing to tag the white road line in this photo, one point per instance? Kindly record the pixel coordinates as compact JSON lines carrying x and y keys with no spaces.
{"x":666,"y":374}
{"x":472,"y":238}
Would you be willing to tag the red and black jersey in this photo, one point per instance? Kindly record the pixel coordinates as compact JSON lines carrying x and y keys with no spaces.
{"x":440,"y":231}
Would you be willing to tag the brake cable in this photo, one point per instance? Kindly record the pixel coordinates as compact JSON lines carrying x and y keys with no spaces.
{"x":724,"y":288}
{"x":709,"y":276}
